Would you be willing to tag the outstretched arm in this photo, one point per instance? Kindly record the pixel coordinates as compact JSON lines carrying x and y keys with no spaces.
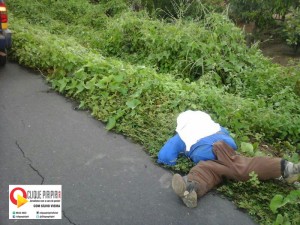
{"x":168,"y":154}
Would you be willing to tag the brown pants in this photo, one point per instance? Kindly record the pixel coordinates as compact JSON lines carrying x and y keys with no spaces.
{"x":229,"y":165}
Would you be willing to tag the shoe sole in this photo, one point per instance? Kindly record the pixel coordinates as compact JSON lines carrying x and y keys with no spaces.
{"x":179,"y":187}
{"x":190,"y":200}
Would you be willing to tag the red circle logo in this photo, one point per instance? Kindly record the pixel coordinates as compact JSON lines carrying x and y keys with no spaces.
{"x":11,"y":196}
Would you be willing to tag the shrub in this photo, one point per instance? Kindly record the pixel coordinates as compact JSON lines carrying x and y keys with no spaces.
{"x":175,"y":9}
{"x":260,"y":11}
{"x":292,"y":29}
{"x":183,"y":48}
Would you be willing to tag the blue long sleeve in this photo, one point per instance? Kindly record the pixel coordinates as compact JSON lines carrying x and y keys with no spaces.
{"x":201,"y":151}
{"x":168,"y":154}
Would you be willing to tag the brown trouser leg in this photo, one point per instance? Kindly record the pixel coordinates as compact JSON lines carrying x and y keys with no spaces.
{"x":229,"y":165}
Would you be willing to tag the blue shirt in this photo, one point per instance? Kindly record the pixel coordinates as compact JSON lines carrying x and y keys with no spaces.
{"x":201,"y":151}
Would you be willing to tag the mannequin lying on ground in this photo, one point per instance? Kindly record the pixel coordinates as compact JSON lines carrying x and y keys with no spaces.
{"x":209,"y":145}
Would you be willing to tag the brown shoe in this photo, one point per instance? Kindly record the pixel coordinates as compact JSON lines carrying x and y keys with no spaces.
{"x":180,"y":188}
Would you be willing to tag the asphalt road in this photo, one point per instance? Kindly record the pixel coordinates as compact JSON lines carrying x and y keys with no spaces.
{"x":105,"y":178}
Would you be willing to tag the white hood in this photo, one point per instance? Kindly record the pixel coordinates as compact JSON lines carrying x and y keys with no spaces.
{"x":195,"y":125}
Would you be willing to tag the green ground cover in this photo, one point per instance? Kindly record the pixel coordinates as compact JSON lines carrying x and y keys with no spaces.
{"x":136,"y":73}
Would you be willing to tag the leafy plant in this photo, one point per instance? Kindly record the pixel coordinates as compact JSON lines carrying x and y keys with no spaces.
{"x":279,"y":201}
{"x":256,"y":199}
{"x":253,"y":179}
{"x":260,"y":11}
{"x":292,"y":29}
{"x":175,"y":9}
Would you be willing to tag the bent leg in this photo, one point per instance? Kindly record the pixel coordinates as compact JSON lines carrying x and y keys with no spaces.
{"x":229,"y":165}
{"x":207,"y":175}
{"x":240,"y":166}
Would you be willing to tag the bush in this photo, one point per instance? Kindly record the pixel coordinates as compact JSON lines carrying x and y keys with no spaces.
{"x":176,"y":9}
{"x":260,"y":11}
{"x":185,"y":49}
{"x":292,"y":29}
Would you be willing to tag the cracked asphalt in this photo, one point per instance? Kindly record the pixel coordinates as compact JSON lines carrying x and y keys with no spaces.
{"x":105,"y":178}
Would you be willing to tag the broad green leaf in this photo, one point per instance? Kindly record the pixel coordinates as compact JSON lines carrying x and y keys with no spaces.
{"x":294,"y":196}
{"x":247,"y":147}
{"x":62,"y":84}
{"x":120,"y":113}
{"x":276,"y":203}
{"x":73,"y":85}
{"x":81,"y":105}
{"x":100,"y":84}
{"x":111,"y":123}
{"x":119,"y":78}
{"x":123,"y":90}
{"x":133,"y":103}
{"x":259,"y":153}
{"x":279,"y":220}
{"x":90,"y":85}
{"x":95,"y":110}
{"x":80,"y":87}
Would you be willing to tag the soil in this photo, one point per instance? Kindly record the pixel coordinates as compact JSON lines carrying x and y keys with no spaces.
{"x":280,"y":53}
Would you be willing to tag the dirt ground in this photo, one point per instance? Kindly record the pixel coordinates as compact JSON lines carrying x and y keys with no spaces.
{"x":280,"y":53}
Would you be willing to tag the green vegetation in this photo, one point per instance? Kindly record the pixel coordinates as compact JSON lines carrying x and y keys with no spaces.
{"x":180,"y":8}
{"x":136,"y":73}
{"x":279,"y":17}
{"x":292,"y":29}
{"x":279,"y":201}
{"x":261,"y":11}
